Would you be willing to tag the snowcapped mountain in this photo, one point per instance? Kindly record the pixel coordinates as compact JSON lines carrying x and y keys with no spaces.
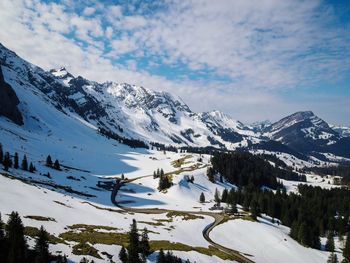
{"x":128,"y":110}
{"x":308,"y":134}
{"x":136,"y":112}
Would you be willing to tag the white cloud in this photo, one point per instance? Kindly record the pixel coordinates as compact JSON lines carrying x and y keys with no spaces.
{"x":88,"y":11}
{"x":263,"y":46}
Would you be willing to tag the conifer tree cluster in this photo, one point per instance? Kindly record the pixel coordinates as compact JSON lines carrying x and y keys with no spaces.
{"x":13,"y":246}
{"x":54,"y":165}
{"x":311,"y":213}
{"x":244,"y":168}
{"x":158,"y":173}
{"x":168,"y":258}
{"x":13,"y":162}
{"x":164,"y":180}
{"x":138,"y":248}
{"x":228,"y":197}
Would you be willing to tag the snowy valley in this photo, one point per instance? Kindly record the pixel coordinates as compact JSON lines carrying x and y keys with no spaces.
{"x":103,"y":182}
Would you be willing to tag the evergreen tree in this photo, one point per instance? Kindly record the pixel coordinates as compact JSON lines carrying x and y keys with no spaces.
{"x":224,"y":196}
{"x":61,"y":259}
{"x":254,"y":210}
{"x":7,"y":161}
{"x":123,"y":256}
{"x":330,"y":242}
{"x":56,"y":165}
{"x":24,"y":163}
{"x":42,"y":247}
{"x":332,"y":258}
{"x":161,"y":257}
{"x":346,"y":250}
{"x":123,"y":176}
{"x":304,"y":235}
{"x":210,"y":174}
{"x":48,"y":161}
{"x":217,"y":196}
{"x":17,"y":247}
{"x":15,"y":163}
{"x":202,"y":198}
{"x":233,"y":206}
{"x":31,"y":167}
{"x":1,"y":154}
{"x":134,"y":246}
{"x":144,"y":243}
{"x":2,"y":242}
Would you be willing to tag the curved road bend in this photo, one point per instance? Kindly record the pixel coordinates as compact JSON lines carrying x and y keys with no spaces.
{"x":218,"y":218}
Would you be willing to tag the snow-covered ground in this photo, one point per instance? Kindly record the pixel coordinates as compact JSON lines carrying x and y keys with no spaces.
{"x":87,"y":157}
{"x":266,"y":242}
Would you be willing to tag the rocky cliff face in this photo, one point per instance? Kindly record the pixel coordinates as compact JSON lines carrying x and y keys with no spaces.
{"x":9,"y":102}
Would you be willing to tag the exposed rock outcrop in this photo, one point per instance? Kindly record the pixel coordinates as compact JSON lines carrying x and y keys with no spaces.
{"x":9,"y":102}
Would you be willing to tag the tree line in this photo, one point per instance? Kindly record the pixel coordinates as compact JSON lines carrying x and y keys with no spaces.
{"x":244,"y":168}
{"x":12,"y":161}
{"x":133,"y":143}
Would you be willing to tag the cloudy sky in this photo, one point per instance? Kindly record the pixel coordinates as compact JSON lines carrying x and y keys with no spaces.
{"x":253,"y":59}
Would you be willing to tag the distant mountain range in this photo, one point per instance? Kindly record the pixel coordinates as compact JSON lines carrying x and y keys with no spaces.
{"x":157,"y":117}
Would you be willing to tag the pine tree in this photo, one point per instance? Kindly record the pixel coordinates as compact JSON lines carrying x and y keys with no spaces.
{"x":332,"y":258}
{"x":224,"y":196}
{"x":7,"y":161}
{"x":17,"y":247}
{"x":56,"y":165}
{"x":1,"y":154}
{"x":346,"y":250}
{"x":48,"y":161}
{"x":217,"y":196}
{"x":123,"y":256}
{"x":144,"y":243}
{"x":254,"y":210}
{"x":210,"y":174}
{"x":42,"y":247}
{"x":123,"y":176}
{"x":233,"y":206}
{"x":202,"y":198}
{"x":31,"y":167}
{"x":2,"y":241}
{"x":24,"y":163}
{"x":330,"y":242}
{"x":161,"y":257}
{"x":15,"y":163}
{"x":134,"y":247}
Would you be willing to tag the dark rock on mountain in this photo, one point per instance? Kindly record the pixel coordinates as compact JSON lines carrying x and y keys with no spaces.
{"x":9,"y":102}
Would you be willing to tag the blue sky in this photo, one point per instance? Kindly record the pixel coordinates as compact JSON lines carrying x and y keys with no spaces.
{"x":255,"y":60}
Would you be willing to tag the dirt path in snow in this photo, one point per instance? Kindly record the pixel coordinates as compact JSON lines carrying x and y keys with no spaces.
{"x":218,"y":219}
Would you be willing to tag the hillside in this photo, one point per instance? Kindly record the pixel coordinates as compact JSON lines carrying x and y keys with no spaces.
{"x":103,"y":184}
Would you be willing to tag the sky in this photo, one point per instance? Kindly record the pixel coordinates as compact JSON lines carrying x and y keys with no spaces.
{"x":254,"y":60}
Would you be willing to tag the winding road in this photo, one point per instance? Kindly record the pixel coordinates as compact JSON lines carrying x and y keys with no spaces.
{"x":218,"y":219}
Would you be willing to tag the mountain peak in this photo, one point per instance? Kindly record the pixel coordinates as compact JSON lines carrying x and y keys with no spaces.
{"x":61,"y":73}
